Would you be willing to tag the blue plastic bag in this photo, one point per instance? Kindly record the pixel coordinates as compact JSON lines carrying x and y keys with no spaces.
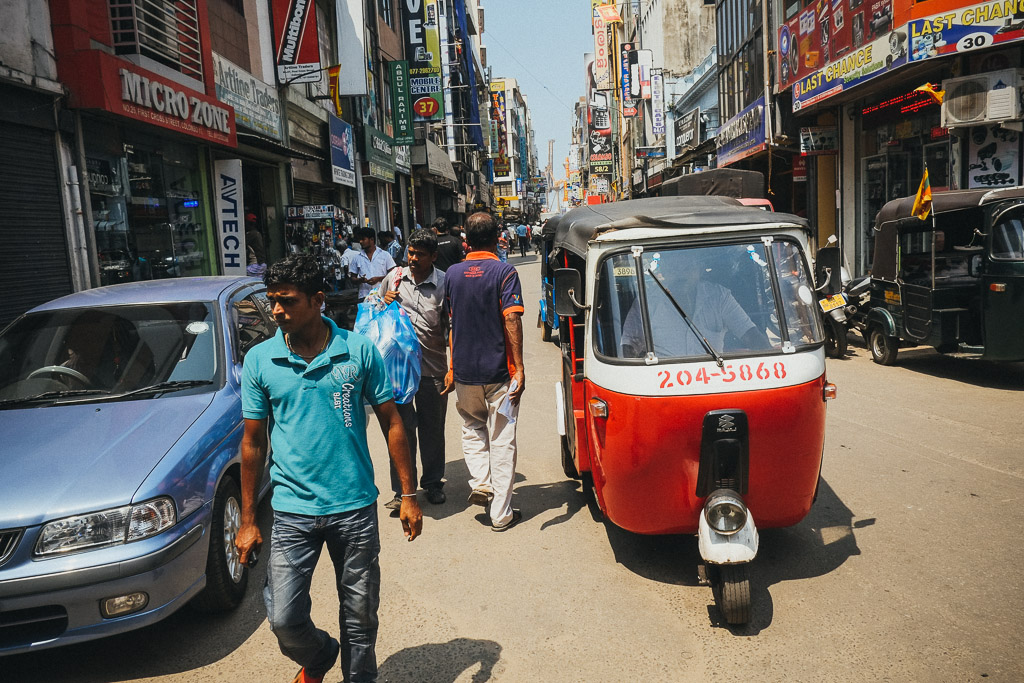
{"x":391,"y":331}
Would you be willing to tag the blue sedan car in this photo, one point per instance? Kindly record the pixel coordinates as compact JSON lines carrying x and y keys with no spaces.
{"x":121,"y":423}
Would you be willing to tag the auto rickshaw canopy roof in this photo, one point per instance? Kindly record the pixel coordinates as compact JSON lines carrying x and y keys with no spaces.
{"x":575,"y":229}
{"x":897,"y":217}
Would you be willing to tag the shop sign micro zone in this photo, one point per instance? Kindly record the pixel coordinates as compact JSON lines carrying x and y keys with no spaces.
{"x":150,"y":100}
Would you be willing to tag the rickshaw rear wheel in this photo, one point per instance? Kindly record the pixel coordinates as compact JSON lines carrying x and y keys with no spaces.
{"x":568,"y":465}
{"x":545,"y":334}
{"x":731,"y":587}
{"x":835,"y":338}
{"x":883,"y":347}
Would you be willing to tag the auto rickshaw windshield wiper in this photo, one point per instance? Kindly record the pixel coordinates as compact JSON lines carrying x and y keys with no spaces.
{"x":52,"y":396}
{"x":161,"y":387}
{"x":693,"y":327}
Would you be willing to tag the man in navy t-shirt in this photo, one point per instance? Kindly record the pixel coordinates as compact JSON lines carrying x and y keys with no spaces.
{"x":485,"y":301}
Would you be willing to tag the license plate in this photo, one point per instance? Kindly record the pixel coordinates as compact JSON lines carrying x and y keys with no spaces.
{"x":833,"y":302}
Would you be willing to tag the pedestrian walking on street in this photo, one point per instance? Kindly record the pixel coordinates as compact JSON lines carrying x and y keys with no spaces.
{"x":503,"y":246}
{"x":312,"y":379}
{"x":523,"y":238}
{"x":419,"y":289}
{"x":485,"y":301}
{"x":449,"y":245}
{"x":369,"y":266}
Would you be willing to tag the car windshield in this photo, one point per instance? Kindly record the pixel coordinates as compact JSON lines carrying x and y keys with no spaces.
{"x":727,"y":291}
{"x":67,"y":354}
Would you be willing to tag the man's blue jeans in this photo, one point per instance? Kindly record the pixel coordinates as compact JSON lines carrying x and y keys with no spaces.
{"x":354,"y":545}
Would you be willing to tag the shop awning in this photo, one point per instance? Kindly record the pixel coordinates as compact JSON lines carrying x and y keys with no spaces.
{"x":435,"y":159}
{"x":265,"y":144}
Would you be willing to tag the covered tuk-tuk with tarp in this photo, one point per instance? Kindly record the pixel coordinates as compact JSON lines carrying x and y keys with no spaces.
{"x":953,"y":281}
{"x":721,"y":182}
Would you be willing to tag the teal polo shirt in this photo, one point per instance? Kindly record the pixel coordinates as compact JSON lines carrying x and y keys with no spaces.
{"x":320,"y":464}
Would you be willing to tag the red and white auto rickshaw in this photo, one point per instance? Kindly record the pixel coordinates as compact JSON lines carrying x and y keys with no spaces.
{"x":693,"y":383}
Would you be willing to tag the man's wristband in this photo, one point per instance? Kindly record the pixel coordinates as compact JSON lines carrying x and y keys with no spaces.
{"x":408,"y":495}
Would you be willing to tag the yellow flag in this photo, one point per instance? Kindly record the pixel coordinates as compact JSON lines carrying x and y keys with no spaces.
{"x":333,"y":74}
{"x":923,"y":198}
{"x":932,"y":90}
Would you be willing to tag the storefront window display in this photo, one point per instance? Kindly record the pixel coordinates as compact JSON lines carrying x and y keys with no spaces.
{"x":899,"y":136}
{"x":150,"y":212}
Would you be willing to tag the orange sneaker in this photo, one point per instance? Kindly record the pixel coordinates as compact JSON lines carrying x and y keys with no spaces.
{"x":303,"y":677}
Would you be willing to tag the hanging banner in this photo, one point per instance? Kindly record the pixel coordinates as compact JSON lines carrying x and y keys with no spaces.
{"x":743,"y":135}
{"x":342,"y":152}
{"x":423,"y":52}
{"x":401,"y":103}
{"x":629,"y":107}
{"x":351,"y":47}
{"x":230,"y":223}
{"x":599,"y":147}
{"x":499,"y":138}
{"x":297,"y":49}
{"x":602,"y":68}
{"x":610,"y":13}
{"x":657,"y":102}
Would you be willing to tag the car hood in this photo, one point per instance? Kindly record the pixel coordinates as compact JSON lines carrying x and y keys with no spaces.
{"x":67,"y":459}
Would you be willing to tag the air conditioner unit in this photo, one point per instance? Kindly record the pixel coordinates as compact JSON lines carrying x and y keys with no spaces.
{"x":986,"y":98}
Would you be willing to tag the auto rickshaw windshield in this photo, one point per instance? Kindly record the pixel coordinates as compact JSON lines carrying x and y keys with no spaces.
{"x":1008,"y":236}
{"x":734,"y":294}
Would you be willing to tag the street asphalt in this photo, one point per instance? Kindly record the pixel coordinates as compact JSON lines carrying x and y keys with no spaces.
{"x":905,"y":570}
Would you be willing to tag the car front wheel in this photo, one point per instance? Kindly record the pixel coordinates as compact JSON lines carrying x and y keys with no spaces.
{"x":226,"y":576}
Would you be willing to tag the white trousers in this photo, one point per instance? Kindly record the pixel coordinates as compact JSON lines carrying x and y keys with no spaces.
{"x":488,"y":444}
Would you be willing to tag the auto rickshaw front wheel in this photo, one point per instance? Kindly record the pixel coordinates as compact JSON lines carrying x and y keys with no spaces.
{"x":568,"y":464}
{"x":882,"y":346}
{"x":836,"y":341}
{"x":730,"y":584}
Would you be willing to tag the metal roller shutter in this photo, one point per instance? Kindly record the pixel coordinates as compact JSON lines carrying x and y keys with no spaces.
{"x":34,"y":264}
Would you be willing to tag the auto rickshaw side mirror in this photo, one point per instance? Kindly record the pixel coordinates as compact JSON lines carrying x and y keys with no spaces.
{"x":974,"y":265}
{"x":568,"y":291}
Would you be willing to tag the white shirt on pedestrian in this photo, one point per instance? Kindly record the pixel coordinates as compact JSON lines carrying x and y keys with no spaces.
{"x":370,"y":267}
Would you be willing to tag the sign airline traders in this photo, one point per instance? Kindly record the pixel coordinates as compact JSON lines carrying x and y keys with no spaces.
{"x":256,"y":104}
{"x":297,"y":48}
{"x":423,"y":52}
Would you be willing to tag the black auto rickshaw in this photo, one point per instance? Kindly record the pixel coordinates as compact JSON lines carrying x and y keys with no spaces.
{"x":547,"y":320}
{"x":954,"y":281}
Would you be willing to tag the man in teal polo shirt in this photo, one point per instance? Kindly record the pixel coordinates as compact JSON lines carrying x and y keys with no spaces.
{"x":313,"y":378}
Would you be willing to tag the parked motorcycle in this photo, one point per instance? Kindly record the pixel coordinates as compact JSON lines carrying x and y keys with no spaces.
{"x":843,"y":301}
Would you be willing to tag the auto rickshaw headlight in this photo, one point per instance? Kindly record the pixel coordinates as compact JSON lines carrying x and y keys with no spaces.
{"x":725,"y":512}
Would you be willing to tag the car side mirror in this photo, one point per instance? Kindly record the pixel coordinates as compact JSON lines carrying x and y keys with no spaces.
{"x":974,"y":265}
{"x":568,"y":287}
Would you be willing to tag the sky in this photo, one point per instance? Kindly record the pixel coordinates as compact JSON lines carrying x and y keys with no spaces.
{"x":541,"y":44}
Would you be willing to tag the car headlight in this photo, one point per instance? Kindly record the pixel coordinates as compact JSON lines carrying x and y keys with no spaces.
{"x":106,"y":527}
{"x":725,"y":512}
